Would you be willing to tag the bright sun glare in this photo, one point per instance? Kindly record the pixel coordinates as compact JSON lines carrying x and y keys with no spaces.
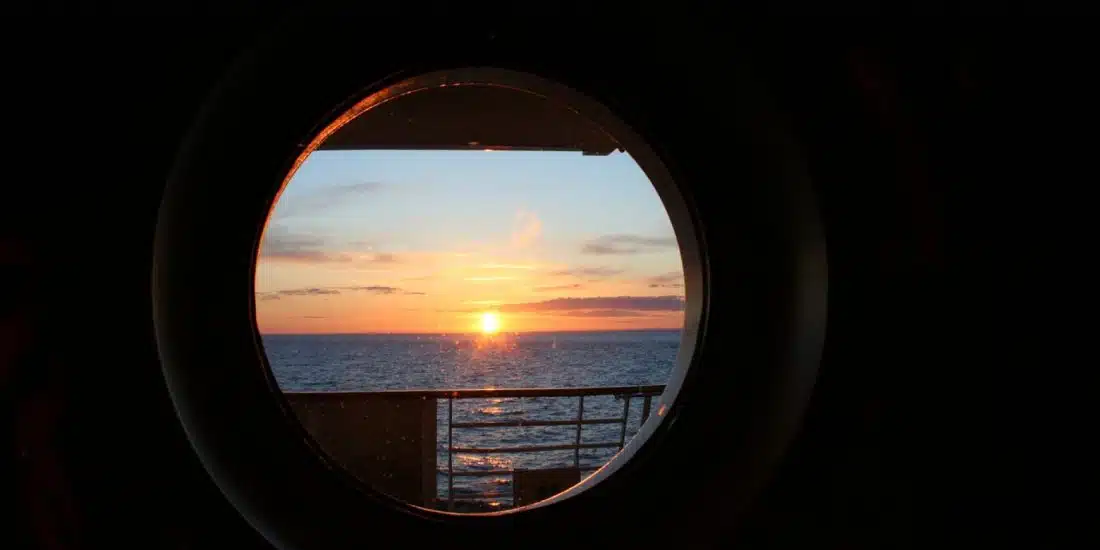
{"x":490,"y":323}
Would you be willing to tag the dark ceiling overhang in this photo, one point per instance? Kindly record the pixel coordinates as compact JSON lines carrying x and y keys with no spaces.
{"x":474,"y":117}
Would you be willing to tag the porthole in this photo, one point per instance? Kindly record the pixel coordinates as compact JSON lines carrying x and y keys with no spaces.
{"x":737,"y":196}
{"x":471,"y":291}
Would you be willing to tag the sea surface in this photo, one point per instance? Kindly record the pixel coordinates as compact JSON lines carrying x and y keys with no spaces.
{"x":375,"y":362}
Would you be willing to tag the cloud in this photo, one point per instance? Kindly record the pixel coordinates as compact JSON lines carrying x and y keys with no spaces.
{"x":606,"y":306}
{"x":331,"y":291}
{"x":322,"y":199}
{"x":415,"y":293}
{"x":633,"y":303}
{"x":384,"y":258}
{"x":587,"y":272}
{"x":281,"y":245}
{"x":617,"y":245}
{"x":672,"y":279}
{"x":604,"y":313}
{"x":666,"y":278}
{"x":314,"y":291}
{"x":314,"y":317}
{"x":551,"y":288}
{"x":527,"y":228}
{"x":375,"y":289}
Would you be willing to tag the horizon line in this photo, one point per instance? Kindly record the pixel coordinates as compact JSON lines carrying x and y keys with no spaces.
{"x":472,"y":333}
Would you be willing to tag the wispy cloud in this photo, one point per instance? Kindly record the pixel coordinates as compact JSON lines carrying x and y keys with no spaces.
{"x":488,"y":279}
{"x":322,"y":199}
{"x":314,"y":291}
{"x":331,"y":291}
{"x":280,"y":245}
{"x":633,"y":303}
{"x":622,"y":244}
{"x":528,"y":227}
{"x":384,"y":258}
{"x":375,"y":289}
{"x":672,"y":279}
{"x":552,"y":288}
{"x":587,"y":272}
{"x":605,"y":313}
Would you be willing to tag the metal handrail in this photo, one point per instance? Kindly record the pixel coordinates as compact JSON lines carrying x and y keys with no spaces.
{"x":534,"y":423}
{"x":533,"y":448}
{"x":496,"y":392}
{"x":624,"y":392}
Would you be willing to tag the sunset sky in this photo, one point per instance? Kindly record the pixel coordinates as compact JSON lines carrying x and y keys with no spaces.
{"x":429,"y":241}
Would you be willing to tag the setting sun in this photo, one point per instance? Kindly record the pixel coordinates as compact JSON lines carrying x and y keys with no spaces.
{"x":490,"y":323}
{"x":487,"y":257}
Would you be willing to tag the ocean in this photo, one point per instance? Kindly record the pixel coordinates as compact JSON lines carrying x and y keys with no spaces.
{"x":376,"y":362}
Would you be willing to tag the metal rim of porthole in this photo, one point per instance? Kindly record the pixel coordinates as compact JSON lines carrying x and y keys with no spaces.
{"x":679,"y":212}
{"x":220,"y":193}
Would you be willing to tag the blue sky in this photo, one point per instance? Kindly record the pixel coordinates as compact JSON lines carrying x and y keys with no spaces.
{"x":454,"y":231}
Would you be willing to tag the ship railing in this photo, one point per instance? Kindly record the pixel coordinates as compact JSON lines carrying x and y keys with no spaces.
{"x":625,"y":393}
{"x":578,"y":421}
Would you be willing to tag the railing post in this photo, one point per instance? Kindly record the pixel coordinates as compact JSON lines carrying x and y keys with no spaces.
{"x":580,"y":424}
{"x":645,"y":408}
{"x":626,"y":414}
{"x":450,"y":455}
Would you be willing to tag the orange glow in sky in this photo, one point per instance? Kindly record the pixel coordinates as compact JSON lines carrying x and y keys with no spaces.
{"x":442,"y":242}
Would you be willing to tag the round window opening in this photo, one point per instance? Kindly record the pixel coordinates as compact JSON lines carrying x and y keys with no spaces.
{"x":476,"y":289}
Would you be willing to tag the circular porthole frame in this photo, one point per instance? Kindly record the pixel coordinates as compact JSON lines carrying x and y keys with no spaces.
{"x":690,"y":246}
{"x":227,"y":176}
